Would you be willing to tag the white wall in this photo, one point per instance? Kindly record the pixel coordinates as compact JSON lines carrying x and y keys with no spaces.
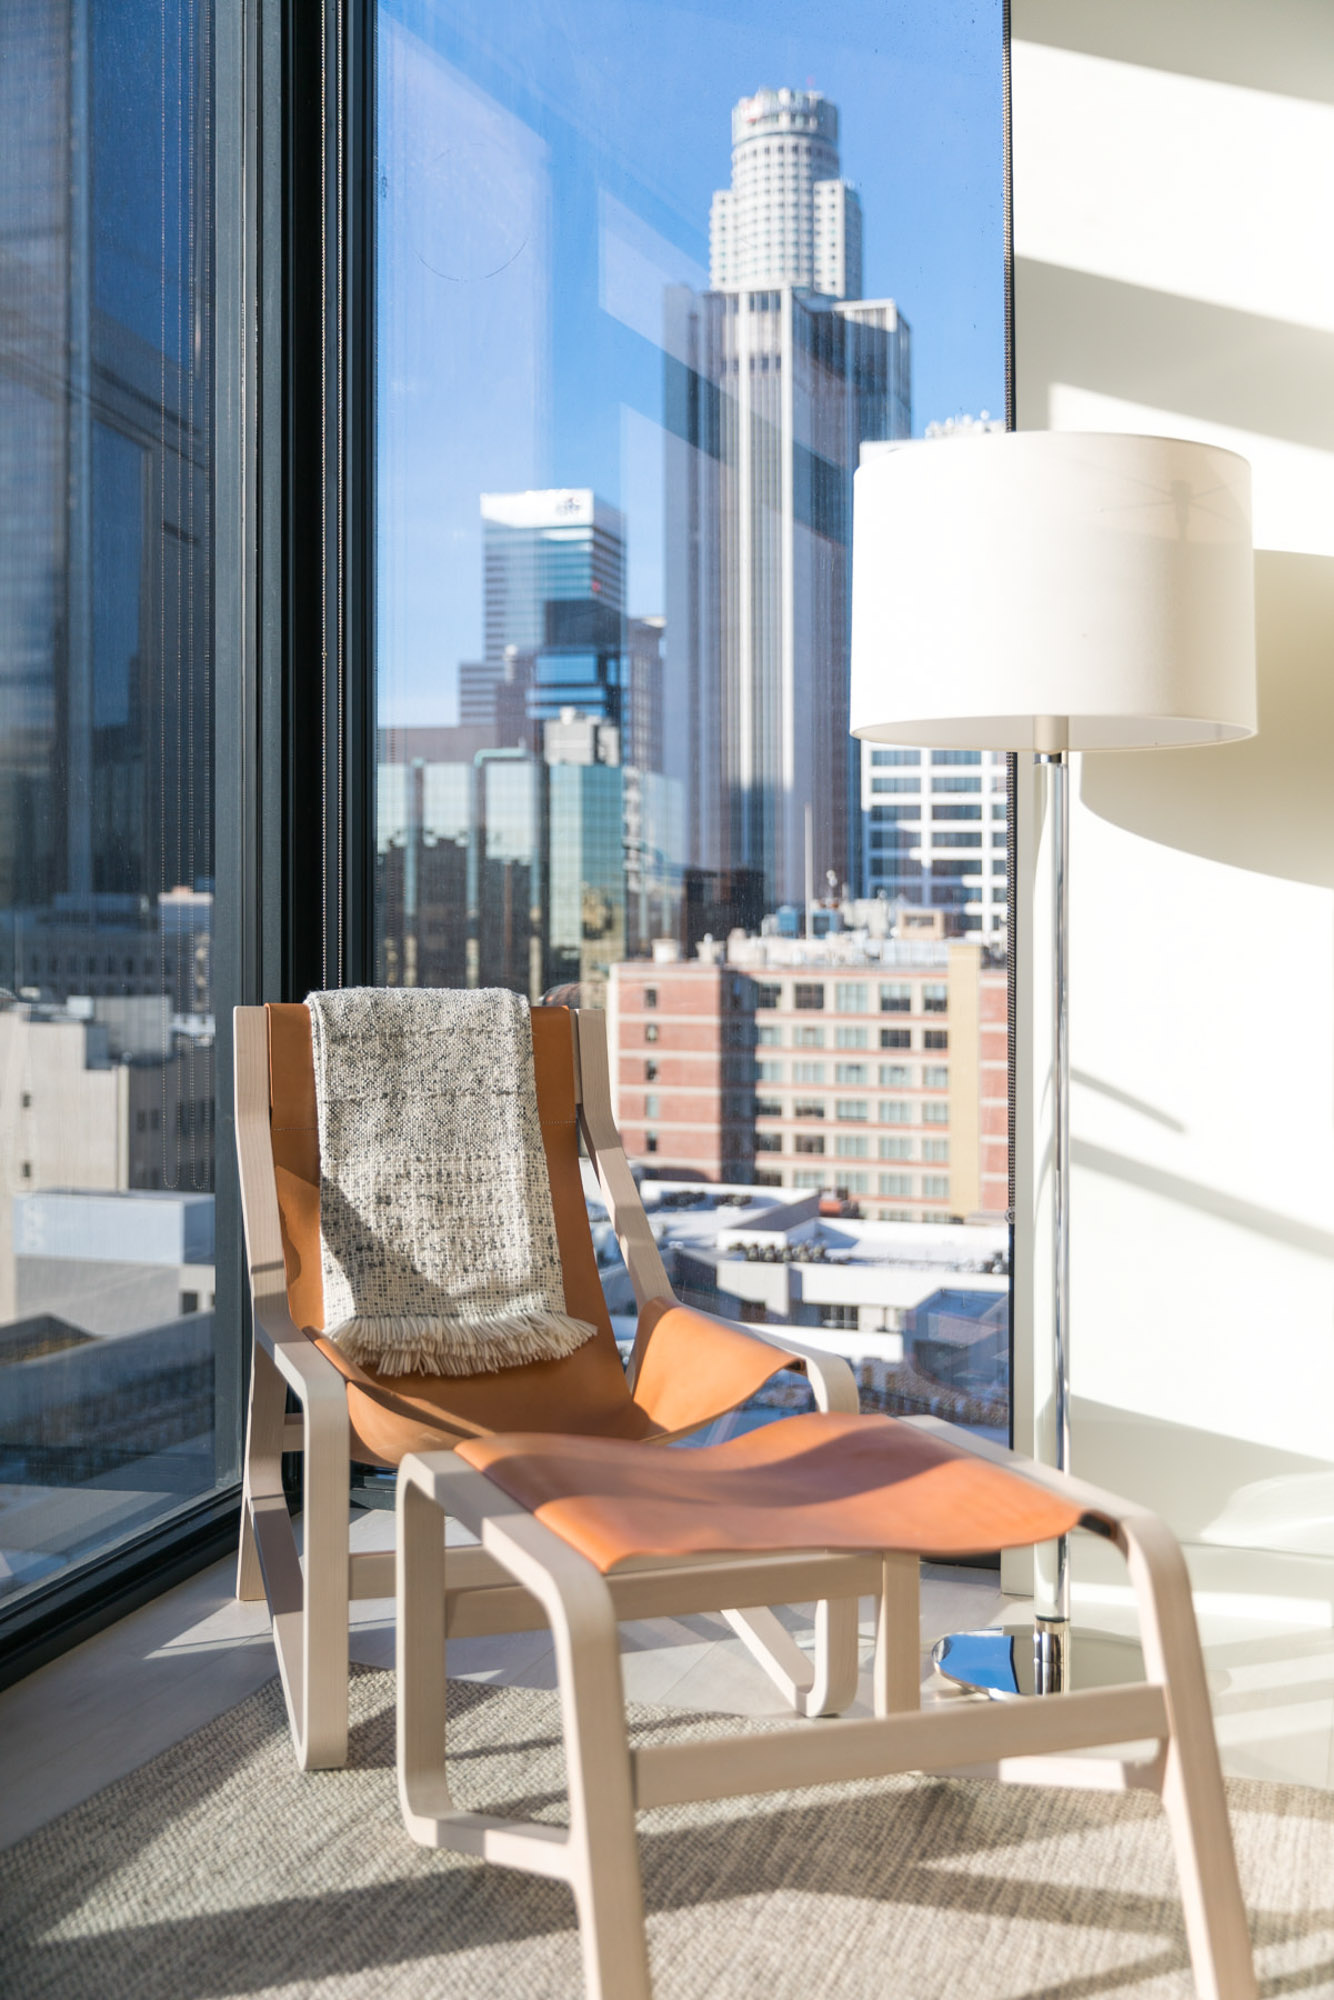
{"x":1173,"y":195}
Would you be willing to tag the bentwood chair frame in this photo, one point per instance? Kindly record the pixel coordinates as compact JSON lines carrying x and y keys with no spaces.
{"x":309,"y":1589}
{"x":1017,"y":1741}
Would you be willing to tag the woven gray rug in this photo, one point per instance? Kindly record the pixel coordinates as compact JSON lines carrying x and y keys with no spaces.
{"x":218,"y":1871}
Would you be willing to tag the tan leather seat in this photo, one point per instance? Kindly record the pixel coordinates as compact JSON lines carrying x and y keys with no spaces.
{"x":695,"y":1368}
{"x":822,"y":1481}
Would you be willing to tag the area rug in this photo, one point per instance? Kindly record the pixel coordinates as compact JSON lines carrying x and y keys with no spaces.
{"x":219,"y":1871}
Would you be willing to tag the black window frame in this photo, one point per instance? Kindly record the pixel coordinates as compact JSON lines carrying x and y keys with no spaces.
{"x":293,"y":424}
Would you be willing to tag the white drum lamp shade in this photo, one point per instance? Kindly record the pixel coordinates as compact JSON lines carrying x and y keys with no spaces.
{"x":1005,"y":582}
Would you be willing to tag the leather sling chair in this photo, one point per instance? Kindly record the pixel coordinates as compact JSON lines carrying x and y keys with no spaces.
{"x":686,"y":1370}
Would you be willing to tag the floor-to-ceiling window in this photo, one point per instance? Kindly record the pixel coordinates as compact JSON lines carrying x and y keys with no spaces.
{"x":109,"y":1375}
{"x":650,"y":280}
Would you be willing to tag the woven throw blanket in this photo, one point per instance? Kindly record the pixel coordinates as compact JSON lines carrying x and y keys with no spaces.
{"x":437,"y":1237}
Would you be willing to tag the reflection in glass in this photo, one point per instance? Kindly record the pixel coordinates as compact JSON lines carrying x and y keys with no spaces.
{"x":646,"y":295}
{"x":106,"y":776}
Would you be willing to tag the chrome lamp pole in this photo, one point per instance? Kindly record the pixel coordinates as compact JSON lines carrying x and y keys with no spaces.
{"x":1051,"y":1631}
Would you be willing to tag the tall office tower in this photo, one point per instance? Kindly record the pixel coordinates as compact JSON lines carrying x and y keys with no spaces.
{"x":106,"y":389}
{"x":769,"y":394}
{"x":787,"y":218}
{"x":643,"y":719}
{"x":554,"y":588}
{"x":934,"y":824}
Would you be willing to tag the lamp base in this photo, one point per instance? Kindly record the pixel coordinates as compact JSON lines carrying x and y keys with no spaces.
{"x":1046,"y":1657}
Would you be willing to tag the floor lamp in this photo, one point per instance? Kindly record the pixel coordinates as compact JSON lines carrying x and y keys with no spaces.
{"x":1051,"y":591}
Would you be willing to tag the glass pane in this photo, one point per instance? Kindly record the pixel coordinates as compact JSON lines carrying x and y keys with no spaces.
{"x":646,"y":291}
{"x":106,"y":777}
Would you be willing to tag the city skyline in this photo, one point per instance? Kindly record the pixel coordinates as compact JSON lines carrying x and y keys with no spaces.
{"x":603,"y":213}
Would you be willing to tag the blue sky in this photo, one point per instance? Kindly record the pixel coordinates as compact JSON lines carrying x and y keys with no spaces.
{"x":545,"y":167}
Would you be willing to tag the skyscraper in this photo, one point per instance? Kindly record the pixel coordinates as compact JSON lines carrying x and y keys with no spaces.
{"x":774,"y":378}
{"x":787,"y":218}
{"x":554,"y":591}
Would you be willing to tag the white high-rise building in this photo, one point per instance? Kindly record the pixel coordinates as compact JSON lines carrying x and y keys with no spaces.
{"x":775,"y":376}
{"x":787,"y":218}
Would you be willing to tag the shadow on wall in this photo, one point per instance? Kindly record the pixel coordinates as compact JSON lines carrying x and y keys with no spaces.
{"x":1285,"y":1503}
{"x":1266,"y":805}
{"x":1278,"y":45}
{"x":1211,"y":363}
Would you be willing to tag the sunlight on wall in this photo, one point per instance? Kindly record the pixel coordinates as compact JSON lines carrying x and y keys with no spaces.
{"x":1172,"y":276}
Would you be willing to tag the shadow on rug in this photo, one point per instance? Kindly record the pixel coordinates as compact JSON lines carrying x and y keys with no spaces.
{"x":220,"y":1871}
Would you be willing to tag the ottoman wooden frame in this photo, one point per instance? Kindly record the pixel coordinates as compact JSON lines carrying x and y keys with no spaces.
{"x":1025,"y":1740}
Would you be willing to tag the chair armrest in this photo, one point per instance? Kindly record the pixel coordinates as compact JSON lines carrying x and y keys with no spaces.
{"x":298,"y":1360}
{"x":695,"y":1367}
{"x":832,"y":1381}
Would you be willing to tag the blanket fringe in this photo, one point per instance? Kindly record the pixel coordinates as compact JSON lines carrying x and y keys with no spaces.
{"x":416,"y":1344}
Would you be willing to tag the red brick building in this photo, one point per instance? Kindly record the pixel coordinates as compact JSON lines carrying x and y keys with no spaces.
{"x":994,"y":1091}
{"x":879,"y":1078}
{"x":680,"y":1036}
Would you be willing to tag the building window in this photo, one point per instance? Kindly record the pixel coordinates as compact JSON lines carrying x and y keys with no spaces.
{"x":652,"y":1105}
{"x":808,"y":1072}
{"x":852,"y":1038}
{"x":650,"y":1031}
{"x":895,"y":1076}
{"x":768,"y":1107}
{"x":853,"y":1183}
{"x":650,"y":1071}
{"x":956,"y":784}
{"x":937,"y":1151}
{"x":957,"y":809}
{"x":883,"y":757}
{"x":840,"y":1319}
{"x":808,"y":1142}
{"x":896,"y":1149}
{"x":934,"y":1112}
{"x":855,"y":1073}
{"x":808,"y":996}
{"x":764,"y":1177}
{"x":769,"y":1036}
{"x":650,"y":1142}
{"x":850,"y":997}
{"x":850,"y":1109}
{"x":769,"y":1072}
{"x":935,"y":1076}
{"x":768,"y":996}
{"x":935,"y":1187}
{"x":768,"y":1142}
{"x":650,"y":996}
{"x":939,"y":757}
{"x":852,"y":1145}
{"x":899,"y":1184}
{"x":808,"y":1038}
{"x":808,"y":1107}
{"x":808,"y":1177}
{"x":935,"y":1038}
{"x":896,"y":999}
{"x":936,"y":996}
{"x":896,"y":1038}
{"x":897,"y":784}
{"x":895,"y":1111}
